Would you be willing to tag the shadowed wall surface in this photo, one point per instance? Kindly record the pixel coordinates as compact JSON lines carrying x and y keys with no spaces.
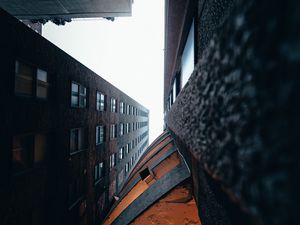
{"x":237,"y":119}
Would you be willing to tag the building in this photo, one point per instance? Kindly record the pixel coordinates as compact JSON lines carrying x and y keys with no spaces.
{"x":69,"y":138}
{"x":63,"y":10}
{"x":158,"y":190}
{"x":230,"y":101}
{"x":37,"y":27}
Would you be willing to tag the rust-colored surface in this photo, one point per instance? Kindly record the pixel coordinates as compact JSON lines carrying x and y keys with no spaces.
{"x":135,"y":192}
{"x":176,"y":208}
{"x":166,"y":166}
{"x":154,"y":154}
{"x":152,"y":151}
{"x":150,"y":162}
{"x":159,"y":171}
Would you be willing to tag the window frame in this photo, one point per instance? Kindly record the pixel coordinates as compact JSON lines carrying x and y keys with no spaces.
{"x":35,"y":82}
{"x":79,"y":95}
{"x":113,"y":104}
{"x":100,"y":103}
{"x":100,"y":141}
{"x":85,"y":141}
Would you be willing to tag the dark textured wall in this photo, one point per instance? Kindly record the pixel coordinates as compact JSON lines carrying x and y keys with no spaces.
{"x":238,"y":116}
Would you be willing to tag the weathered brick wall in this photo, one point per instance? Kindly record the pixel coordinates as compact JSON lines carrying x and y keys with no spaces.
{"x":239,"y":114}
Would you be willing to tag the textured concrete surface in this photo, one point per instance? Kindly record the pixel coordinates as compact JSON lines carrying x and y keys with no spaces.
{"x":176,"y":207}
{"x":239,"y":114}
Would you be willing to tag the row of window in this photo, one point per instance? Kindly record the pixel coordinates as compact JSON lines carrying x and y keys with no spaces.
{"x":187,"y":68}
{"x":99,"y":167}
{"x":125,"y":128}
{"x":133,"y":159}
{"x":78,"y":136}
{"x":79,"y":100}
{"x":31,"y":81}
{"x":123,"y":151}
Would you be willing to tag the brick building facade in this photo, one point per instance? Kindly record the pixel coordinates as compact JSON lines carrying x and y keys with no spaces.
{"x":69,"y":138}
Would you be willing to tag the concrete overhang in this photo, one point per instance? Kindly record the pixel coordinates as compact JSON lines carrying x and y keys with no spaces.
{"x":66,"y":9}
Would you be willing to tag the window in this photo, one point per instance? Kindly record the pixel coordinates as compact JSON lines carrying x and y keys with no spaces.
{"x":42,"y":84}
{"x":121,"y":153}
{"x":22,"y":151}
{"x":133,"y":126}
{"x":100,"y":101}
{"x":77,"y":140}
{"x":28,"y":150}
{"x":121,"y":129}
{"x":126,"y":149}
{"x":174,"y":90}
{"x":78,"y":98}
{"x":98,"y":171}
{"x":128,"y":109}
{"x":113,"y":105}
{"x":112,"y":160}
{"x":121,"y":177}
{"x":75,"y":190}
{"x":40,"y":145}
{"x":125,"y":108}
{"x":127,"y":128}
{"x":188,"y":57}
{"x":131,"y":161}
{"x":99,"y":135}
{"x":122,"y":107}
{"x":126,"y":168}
{"x":113,"y":131}
{"x":145,"y":173}
{"x":25,"y":75}
{"x":23,"y":79}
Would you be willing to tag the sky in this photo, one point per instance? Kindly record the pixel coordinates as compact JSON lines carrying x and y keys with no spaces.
{"x":127,"y":52}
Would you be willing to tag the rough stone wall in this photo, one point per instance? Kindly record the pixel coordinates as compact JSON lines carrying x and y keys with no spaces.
{"x":239,"y":113}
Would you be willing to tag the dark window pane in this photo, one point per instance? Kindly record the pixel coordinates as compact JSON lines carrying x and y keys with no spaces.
{"x":22,"y":152}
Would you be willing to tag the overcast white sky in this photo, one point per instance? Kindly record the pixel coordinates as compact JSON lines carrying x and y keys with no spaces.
{"x":127,"y":52}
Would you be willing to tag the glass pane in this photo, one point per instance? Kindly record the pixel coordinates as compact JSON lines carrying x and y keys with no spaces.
{"x":101,"y":134}
{"x":24,"y":69}
{"x":73,"y":140}
{"x":97,"y":135}
{"x":74,"y":87}
{"x":74,"y":100}
{"x":82,"y":90}
{"x":40,"y":148}
{"x":102,"y":105}
{"x":82,"y":101}
{"x":96,"y":172}
{"x":187,"y":61}
{"x":23,"y":86}
{"x":21,"y":152}
{"x":81,"y":139}
{"x":41,"y":75}
{"x":41,"y":92}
